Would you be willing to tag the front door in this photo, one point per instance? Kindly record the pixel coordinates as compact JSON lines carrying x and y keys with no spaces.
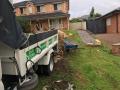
{"x":55,"y":23}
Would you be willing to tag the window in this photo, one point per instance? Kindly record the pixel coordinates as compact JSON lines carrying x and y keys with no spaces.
{"x":30,"y":9}
{"x":40,"y":8}
{"x":57,"y":6}
{"x":108,"y":22}
{"x":21,"y":10}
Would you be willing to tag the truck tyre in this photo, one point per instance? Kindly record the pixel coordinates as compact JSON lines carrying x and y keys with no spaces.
{"x":30,"y":84}
{"x":48,"y":69}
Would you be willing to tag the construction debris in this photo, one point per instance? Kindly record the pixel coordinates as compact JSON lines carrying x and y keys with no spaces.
{"x":59,"y":85}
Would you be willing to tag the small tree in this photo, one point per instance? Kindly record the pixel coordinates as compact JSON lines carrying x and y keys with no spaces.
{"x":74,"y":20}
{"x":93,"y":15}
{"x":25,"y":24}
{"x":98,"y":15}
{"x":92,"y":12}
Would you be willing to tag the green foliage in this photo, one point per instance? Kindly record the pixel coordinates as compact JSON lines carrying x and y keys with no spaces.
{"x":94,"y":15}
{"x":98,"y":15}
{"x":74,"y":37}
{"x":25,"y":24}
{"x":74,"y":20}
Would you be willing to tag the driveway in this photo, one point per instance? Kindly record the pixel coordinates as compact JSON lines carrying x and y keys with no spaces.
{"x":86,"y":37}
{"x":109,"y":39}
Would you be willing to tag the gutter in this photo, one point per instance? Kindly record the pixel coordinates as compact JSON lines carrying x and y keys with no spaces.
{"x":117,"y":22}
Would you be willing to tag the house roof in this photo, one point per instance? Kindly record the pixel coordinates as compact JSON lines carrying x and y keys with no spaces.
{"x":45,"y":1}
{"x":46,"y":16}
{"x":36,"y":2}
{"x":84,"y":17}
{"x":114,"y":12}
{"x":20,"y":4}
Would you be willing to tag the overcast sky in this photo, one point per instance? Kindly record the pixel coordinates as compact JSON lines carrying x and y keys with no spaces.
{"x":83,"y":7}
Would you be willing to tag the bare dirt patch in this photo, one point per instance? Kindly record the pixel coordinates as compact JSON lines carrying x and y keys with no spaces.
{"x":109,"y":39}
{"x":82,"y":79}
{"x":62,"y":66}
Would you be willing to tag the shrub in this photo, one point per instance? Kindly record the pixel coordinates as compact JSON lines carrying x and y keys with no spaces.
{"x":25,"y":24}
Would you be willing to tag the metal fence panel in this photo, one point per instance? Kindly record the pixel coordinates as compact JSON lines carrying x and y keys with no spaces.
{"x":96,"y":26}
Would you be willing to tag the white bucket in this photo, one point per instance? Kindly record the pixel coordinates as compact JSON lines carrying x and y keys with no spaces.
{"x":1,"y":84}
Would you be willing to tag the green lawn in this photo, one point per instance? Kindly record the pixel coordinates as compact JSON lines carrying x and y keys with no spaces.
{"x":89,"y":68}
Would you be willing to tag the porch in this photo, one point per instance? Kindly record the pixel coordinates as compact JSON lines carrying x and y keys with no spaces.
{"x":46,"y":22}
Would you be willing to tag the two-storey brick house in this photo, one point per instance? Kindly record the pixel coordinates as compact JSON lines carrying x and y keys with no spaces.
{"x":44,"y":14}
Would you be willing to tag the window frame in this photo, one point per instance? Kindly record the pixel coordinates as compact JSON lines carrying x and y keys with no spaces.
{"x":57,"y":8}
{"x":40,"y":10}
{"x":108,"y":21}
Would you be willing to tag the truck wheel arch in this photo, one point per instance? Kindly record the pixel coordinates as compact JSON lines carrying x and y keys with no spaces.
{"x":46,"y":59}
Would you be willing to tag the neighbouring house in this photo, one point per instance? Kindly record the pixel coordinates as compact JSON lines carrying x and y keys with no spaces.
{"x":108,"y":23}
{"x":112,"y":20}
{"x":44,"y":15}
{"x":84,"y":17}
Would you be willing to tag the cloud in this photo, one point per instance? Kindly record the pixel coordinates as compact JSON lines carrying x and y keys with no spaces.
{"x":83,"y":7}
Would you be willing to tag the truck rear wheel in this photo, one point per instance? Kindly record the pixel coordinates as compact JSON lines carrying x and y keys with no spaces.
{"x":31,"y":83}
{"x":48,"y":69}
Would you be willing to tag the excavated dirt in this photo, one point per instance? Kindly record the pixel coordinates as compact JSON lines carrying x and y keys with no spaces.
{"x":109,"y":39}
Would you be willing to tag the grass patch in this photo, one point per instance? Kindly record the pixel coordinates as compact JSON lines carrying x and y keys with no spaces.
{"x":73,"y":35}
{"x":98,"y":69}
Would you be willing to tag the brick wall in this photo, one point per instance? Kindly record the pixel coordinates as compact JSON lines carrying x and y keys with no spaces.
{"x":30,"y":5}
{"x":17,"y":10}
{"x":119,"y":23}
{"x":112,"y":28}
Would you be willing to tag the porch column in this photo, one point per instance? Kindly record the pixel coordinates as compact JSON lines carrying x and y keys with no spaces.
{"x":68,"y":23}
{"x":49,"y":23}
{"x":60,"y":24}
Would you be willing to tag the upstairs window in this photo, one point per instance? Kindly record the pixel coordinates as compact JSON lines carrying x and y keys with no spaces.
{"x":22,"y":10}
{"x":30,"y":9}
{"x":57,"y":6}
{"x":40,"y":8}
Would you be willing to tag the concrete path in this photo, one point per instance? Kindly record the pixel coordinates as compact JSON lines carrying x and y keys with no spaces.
{"x":86,"y":37}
